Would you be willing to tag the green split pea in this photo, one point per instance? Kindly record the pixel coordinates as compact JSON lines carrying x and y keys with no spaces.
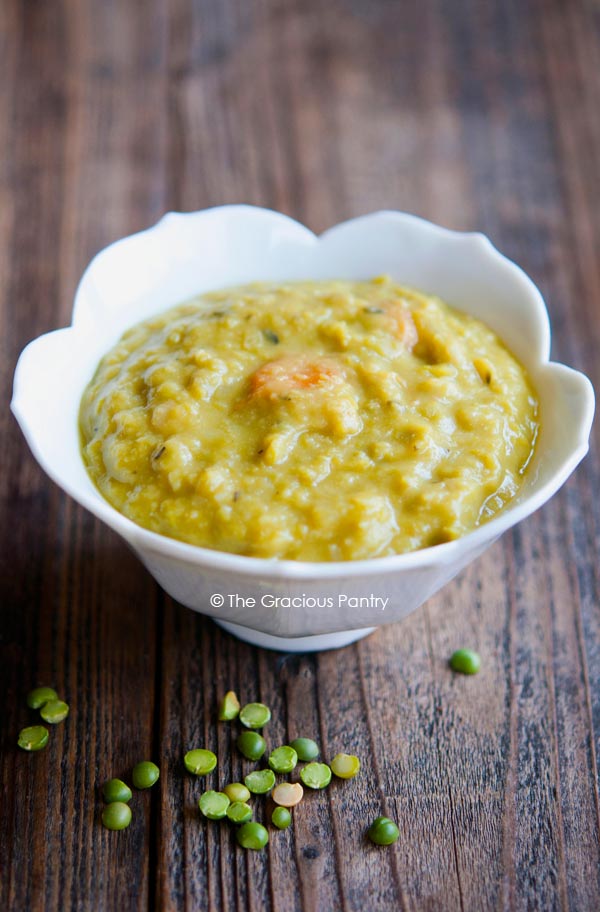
{"x":281,"y":818}
{"x":252,"y":836}
{"x":116,"y":816}
{"x":283,"y":759}
{"x":235,"y":791}
{"x":116,"y":790}
{"x":200,"y":762}
{"x":229,"y":708}
{"x":316,"y":775}
{"x":383,"y":831}
{"x":40,"y":696}
{"x":239,"y":812}
{"x":465,"y":661}
{"x":345,"y":766}
{"x":214,"y":805}
{"x":33,"y":738}
{"x":54,"y":711}
{"x":255,"y":715}
{"x":145,"y":774}
{"x":251,"y":745}
{"x":260,"y":781}
{"x":306,"y":748}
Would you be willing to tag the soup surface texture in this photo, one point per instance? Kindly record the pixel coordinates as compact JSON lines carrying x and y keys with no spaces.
{"x":315,"y":421}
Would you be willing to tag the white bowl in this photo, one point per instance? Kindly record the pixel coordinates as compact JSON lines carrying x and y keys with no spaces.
{"x":185,"y":254}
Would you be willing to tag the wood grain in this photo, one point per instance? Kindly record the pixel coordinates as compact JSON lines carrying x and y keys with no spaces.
{"x":477,"y":115}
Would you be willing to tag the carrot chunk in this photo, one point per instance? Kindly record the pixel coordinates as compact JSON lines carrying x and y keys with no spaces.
{"x":293,"y":373}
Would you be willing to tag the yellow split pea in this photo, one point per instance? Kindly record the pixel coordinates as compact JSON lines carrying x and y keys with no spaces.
{"x":314,"y":420}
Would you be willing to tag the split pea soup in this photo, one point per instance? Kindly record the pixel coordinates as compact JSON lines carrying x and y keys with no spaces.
{"x":317,"y":421}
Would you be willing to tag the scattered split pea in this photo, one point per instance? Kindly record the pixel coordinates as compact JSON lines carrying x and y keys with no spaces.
{"x":465,"y":661}
{"x":145,"y":774}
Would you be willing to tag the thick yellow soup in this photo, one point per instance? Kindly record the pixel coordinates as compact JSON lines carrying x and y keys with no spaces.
{"x":313,"y":420}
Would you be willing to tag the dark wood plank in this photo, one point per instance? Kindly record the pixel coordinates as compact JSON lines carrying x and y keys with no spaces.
{"x":482,"y":117}
{"x":554,"y":783}
{"x":78,"y":612}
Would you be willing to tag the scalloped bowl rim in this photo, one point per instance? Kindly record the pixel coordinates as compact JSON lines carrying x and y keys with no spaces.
{"x":274,"y":568}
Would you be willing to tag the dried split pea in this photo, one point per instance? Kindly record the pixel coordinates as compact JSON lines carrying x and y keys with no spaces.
{"x":465,"y":661}
{"x":39,"y":696}
{"x":316,"y":775}
{"x":239,"y":812}
{"x":260,"y":781}
{"x":251,"y":745}
{"x":252,"y":836}
{"x":281,"y":818}
{"x":345,"y":766}
{"x":229,"y":707}
{"x":116,"y":790}
{"x":54,"y":711}
{"x":288,"y":794}
{"x":33,"y":738}
{"x":214,"y":804}
{"x":255,"y":715}
{"x":283,"y":759}
{"x":200,"y":762}
{"x":306,"y":748}
{"x":383,"y":831}
{"x":145,"y":774}
{"x":116,"y":815}
{"x":235,"y":791}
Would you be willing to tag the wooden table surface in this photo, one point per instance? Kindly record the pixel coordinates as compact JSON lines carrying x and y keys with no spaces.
{"x":478,"y":115}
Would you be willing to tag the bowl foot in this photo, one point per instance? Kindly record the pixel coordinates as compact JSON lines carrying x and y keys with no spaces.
{"x":295,"y":644}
